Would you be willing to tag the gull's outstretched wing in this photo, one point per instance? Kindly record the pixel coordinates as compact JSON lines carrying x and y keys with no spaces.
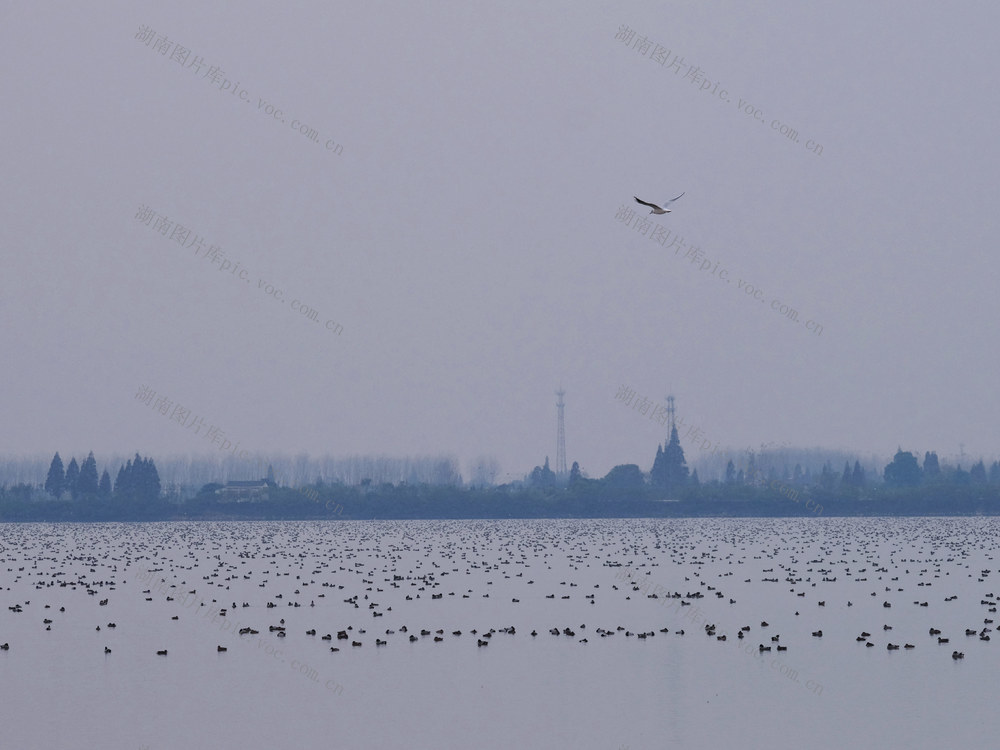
{"x":651,"y":205}
{"x":673,"y":199}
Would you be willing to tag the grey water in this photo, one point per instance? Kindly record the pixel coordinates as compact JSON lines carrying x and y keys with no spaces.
{"x":596,"y":684}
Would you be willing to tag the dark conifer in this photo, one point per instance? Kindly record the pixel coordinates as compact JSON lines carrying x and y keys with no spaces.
{"x":858,"y":475}
{"x":104,"y":486}
{"x":72,"y":477}
{"x":86,"y":484}
{"x":56,"y":480}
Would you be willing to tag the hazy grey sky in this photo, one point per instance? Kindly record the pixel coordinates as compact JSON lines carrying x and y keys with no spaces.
{"x":458,"y":215}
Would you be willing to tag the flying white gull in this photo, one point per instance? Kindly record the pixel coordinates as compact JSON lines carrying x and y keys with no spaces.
{"x":658,"y":209}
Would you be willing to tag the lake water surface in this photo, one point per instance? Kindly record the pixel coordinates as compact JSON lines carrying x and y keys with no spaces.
{"x":591,"y":580}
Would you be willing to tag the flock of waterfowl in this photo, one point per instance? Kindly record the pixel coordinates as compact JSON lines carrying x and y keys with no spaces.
{"x":650,"y":575}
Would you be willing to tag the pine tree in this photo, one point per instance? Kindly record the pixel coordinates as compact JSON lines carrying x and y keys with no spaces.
{"x":858,"y":475}
{"x":978,"y":473}
{"x":960,"y":476}
{"x":72,"y":477}
{"x":673,"y":457}
{"x":152,"y":484}
{"x":694,"y":478}
{"x":139,"y":477}
{"x":542,"y":476}
{"x":139,"y":469}
{"x":995,"y":472}
{"x":932,"y":469}
{"x":56,"y":480}
{"x":138,"y":480}
{"x":845,"y":479}
{"x":128,"y":483}
{"x":730,"y":473}
{"x":104,"y":487}
{"x":121,"y":481}
{"x":658,"y":474}
{"x":669,"y":467}
{"x":575,"y":476}
{"x":86,"y":484}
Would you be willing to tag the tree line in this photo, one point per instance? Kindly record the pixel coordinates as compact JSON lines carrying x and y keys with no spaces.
{"x":754,"y":487}
{"x":137,"y":480}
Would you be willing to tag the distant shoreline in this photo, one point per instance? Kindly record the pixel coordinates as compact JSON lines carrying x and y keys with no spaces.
{"x":428,"y":502}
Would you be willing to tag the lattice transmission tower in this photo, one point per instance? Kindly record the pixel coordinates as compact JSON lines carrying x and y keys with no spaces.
{"x":560,"y":435}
